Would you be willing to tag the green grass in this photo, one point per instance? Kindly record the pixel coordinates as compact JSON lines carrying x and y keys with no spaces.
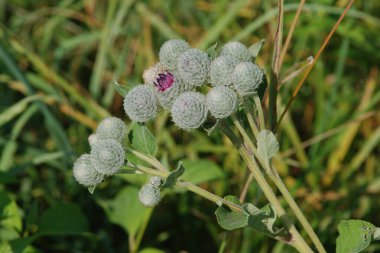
{"x":58,"y":64}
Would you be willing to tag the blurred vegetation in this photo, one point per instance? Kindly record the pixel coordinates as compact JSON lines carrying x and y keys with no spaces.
{"x":58,"y":64}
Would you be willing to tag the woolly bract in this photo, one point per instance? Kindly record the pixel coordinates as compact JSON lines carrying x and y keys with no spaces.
{"x":140,"y":104}
{"x":189,"y":110}
{"x":111,"y":128}
{"x":193,"y":66}
{"x":246,"y":78}
{"x":107,"y":156}
{"x":236,"y":50}
{"x":170,"y":51}
{"x":221,"y":69}
{"x":149,"y":195}
{"x":222,"y":101}
{"x":167,"y":97}
{"x":85,"y":173}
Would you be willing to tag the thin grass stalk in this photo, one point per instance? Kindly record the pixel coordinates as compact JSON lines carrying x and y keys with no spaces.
{"x":291,"y":31}
{"x":327,"y":40}
{"x":297,"y":211}
{"x":275,"y":70}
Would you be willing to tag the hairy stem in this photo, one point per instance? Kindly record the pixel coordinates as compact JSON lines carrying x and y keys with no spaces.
{"x":297,"y":212}
{"x":250,"y":116}
{"x":297,"y":241}
{"x":257,"y":101}
{"x":279,"y":184}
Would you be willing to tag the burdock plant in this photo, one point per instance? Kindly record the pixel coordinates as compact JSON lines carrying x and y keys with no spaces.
{"x":223,"y":87}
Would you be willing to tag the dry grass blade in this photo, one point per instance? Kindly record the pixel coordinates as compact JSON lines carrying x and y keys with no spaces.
{"x":337,"y":157}
{"x":327,"y":40}
{"x":291,"y":31}
{"x":244,"y":192}
{"x":296,"y":72}
{"x":275,"y":71}
{"x":329,"y":133}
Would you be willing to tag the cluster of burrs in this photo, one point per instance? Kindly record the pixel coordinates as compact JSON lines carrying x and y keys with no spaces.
{"x":175,"y":82}
{"x":107,"y":157}
{"x":107,"y":153}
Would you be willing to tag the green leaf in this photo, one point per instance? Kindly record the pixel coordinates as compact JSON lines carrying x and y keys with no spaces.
{"x":151,"y":250}
{"x":143,"y":140}
{"x":267,"y":145}
{"x":16,"y":109}
{"x":21,"y":245}
{"x":51,"y":123}
{"x":126,"y":210}
{"x":201,"y":171}
{"x":354,"y":236}
{"x":211,"y":51}
{"x":7,"y":178}
{"x":5,"y":247}
{"x":229,"y":219}
{"x":63,"y":219}
{"x":121,"y":89}
{"x":255,"y":48}
{"x":10,"y":218}
{"x":262,"y":219}
{"x":173,"y":176}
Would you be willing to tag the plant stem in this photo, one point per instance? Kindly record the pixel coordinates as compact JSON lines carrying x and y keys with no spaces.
{"x":191,"y":187}
{"x":146,"y":158}
{"x":247,"y":141}
{"x":297,"y":211}
{"x":147,"y":170}
{"x":210,"y":196}
{"x":141,"y":232}
{"x":240,"y":128}
{"x":278,"y":182}
{"x":259,"y":108}
{"x":246,"y":187}
{"x":251,"y":121}
{"x":297,"y":242}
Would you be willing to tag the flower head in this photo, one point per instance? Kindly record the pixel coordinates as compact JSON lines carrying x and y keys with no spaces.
{"x":167,"y":97}
{"x":107,"y":156}
{"x":189,"y":110}
{"x":93,"y":139}
{"x":111,"y":128}
{"x":149,"y":195}
{"x":236,"y":50}
{"x":222,"y":101}
{"x":193,"y":66}
{"x":155,"y":181}
{"x":221,"y":69}
{"x":140,"y":104}
{"x":159,"y":77}
{"x":170,"y":51}
{"x":85,"y":173}
{"x":246,"y":78}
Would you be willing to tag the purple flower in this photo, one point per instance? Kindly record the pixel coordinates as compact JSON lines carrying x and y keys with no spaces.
{"x":164,"y":81}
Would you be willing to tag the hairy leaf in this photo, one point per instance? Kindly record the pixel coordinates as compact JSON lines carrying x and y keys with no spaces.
{"x":143,"y":140}
{"x":174,"y":175}
{"x":267,"y":145}
{"x":229,"y":219}
{"x":354,"y":236}
{"x":255,"y":48}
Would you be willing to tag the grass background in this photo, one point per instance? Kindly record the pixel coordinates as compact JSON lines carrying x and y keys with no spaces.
{"x":58,"y":63}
